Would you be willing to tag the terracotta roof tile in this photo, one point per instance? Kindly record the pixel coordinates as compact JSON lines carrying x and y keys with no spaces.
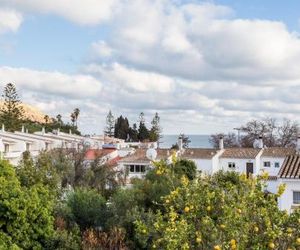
{"x":199,"y":153}
{"x":278,"y":152}
{"x":139,"y":155}
{"x":242,"y":153}
{"x":290,"y":167}
{"x":92,"y":154}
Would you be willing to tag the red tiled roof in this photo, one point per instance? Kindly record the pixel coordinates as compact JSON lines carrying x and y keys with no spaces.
{"x":290,"y":167}
{"x":139,"y":155}
{"x":240,"y":153}
{"x":278,"y":152}
{"x":199,"y":153}
{"x":92,"y":154}
{"x":113,"y":162}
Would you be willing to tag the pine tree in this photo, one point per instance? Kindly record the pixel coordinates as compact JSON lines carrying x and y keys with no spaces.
{"x":110,"y":124}
{"x":11,"y":114}
{"x":76,"y":113}
{"x":143,"y":131}
{"x":133,"y":133}
{"x":155,"y":132}
{"x":121,"y":128}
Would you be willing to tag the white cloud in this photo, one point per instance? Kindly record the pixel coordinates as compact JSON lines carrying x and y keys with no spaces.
{"x":53,"y":83}
{"x":87,"y":12}
{"x":10,"y":20}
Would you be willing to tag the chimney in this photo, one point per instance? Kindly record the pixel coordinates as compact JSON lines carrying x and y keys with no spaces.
{"x":3,"y":128}
{"x":58,"y":131}
{"x":221,"y":143}
{"x":26,"y":130}
{"x":70,"y":131}
{"x":260,"y":142}
{"x":23,"y":129}
{"x":43,"y":130}
{"x":298,"y":144}
{"x":180,"y":144}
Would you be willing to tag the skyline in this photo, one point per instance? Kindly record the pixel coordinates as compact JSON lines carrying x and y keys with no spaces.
{"x":204,"y":66}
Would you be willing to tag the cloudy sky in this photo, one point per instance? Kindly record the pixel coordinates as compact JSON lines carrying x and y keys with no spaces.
{"x":205,"y":66}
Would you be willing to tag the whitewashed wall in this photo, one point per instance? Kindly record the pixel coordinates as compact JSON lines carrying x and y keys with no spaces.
{"x":271,"y":170}
{"x":285,"y":202}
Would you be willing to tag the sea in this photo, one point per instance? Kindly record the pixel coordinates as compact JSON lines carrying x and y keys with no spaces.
{"x":197,"y":141}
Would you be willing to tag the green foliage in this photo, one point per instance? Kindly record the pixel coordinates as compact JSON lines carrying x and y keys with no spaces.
{"x":224,"y":211}
{"x":12,"y":112}
{"x":155,"y":131}
{"x":121,"y":128}
{"x":87,"y":208}
{"x":110,"y":124}
{"x":186,"y":167}
{"x":26,"y":219}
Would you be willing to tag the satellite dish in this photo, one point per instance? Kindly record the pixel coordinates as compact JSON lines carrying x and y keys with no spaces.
{"x":151,"y":154}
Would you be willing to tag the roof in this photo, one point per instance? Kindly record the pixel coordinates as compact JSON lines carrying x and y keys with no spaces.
{"x":92,"y":154}
{"x":199,"y":153}
{"x":290,"y":167}
{"x":139,"y":155}
{"x":278,"y":152}
{"x":113,"y":162}
{"x":240,"y":153}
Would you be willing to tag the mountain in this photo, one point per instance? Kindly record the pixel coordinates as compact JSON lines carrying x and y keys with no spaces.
{"x":31,"y":113}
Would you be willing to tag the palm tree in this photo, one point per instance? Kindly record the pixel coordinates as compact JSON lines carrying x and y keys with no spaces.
{"x":76,"y":114}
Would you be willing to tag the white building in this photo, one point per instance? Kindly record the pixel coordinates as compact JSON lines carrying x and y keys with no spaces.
{"x":289,"y":175}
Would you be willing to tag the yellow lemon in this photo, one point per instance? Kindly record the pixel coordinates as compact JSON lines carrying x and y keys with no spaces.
{"x":298,"y":241}
{"x":239,"y":211}
{"x":256,"y":229}
{"x":232,"y":242}
{"x":217,"y":247}
{"x":222,"y":226}
{"x":198,"y":240}
{"x":186,"y":209}
{"x":208,"y":209}
{"x":271,"y":245}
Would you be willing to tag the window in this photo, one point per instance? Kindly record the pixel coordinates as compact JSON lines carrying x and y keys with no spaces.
{"x":6,"y":148}
{"x":231,"y":164}
{"x":143,"y":169}
{"x":267,"y":164}
{"x":137,"y":168}
{"x":131,"y":168}
{"x":27,"y":146}
{"x":296,"y":197}
{"x":276,"y":164}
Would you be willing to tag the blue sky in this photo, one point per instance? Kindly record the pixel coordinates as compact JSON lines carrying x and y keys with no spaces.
{"x":205,"y":66}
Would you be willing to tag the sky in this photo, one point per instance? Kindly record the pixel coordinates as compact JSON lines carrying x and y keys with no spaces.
{"x":204,"y":66}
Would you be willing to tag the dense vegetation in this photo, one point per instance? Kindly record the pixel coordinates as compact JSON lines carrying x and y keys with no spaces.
{"x":12,"y":116}
{"x":59,"y":201}
{"x":120,"y":128}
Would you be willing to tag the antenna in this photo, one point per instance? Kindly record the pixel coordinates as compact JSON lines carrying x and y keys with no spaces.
{"x":151,"y":154}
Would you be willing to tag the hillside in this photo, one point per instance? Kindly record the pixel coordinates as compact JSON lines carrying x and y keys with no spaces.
{"x":31,"y":113}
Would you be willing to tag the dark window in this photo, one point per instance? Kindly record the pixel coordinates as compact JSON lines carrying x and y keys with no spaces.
{"x":143,"y":169}
{"x":132,"y":168}
{"x":231,"y":164}
{"x":276,"y":164}
{"x":267,"y":164}
{"x":6,"y":148}
{"x":296,"y":197}
{"x":137,"y":168}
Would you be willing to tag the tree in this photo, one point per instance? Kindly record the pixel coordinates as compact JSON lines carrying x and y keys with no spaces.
{"x":26,"y":212}
{"x":73,"y":119}
{"x":186,"y":167}
{"x":87,"y":208}
{"x":76,"y":113}
{"x":110,"y":125}
{"x":59,"y":119}
{"x":223,"y":211}
{"x":11,"y":114}
{"x":133,"y":133}
{"x":185,"y":140}
{"x":143,"y":132}
{"x":155,"y":131}
{"x":230,"y":140}
{"x":122,"y":128}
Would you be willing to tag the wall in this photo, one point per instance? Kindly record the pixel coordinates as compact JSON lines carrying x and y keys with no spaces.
{"x":286,"y":200}
{"x":240,"y":164}
{"x":271,"y":170}
{"x":204,"y":165}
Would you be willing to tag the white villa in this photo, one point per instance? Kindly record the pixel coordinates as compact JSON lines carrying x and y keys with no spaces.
{"x":282,"y":165}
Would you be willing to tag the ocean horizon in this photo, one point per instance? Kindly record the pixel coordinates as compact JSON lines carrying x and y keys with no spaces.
{"x":197,"y":141}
